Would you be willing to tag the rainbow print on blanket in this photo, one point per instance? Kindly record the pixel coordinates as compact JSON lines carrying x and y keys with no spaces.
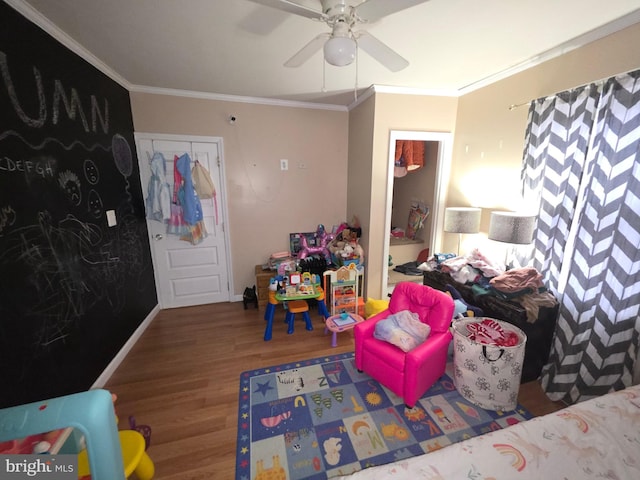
{"x":320,"y":418}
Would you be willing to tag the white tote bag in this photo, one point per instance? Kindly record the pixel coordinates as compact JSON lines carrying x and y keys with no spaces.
{"x":487,"y":375}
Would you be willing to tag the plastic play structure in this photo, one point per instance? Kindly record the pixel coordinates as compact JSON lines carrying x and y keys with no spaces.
{"x":89,"y":412}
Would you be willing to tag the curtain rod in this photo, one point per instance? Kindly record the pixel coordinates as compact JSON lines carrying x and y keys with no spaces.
{"x":513,"y":106}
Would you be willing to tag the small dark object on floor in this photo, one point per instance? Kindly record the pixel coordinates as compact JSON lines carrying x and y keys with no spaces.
{"x":144,"y":430}
{"x":249,"y":296}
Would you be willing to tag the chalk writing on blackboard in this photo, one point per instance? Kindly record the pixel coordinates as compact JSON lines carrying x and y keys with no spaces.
{"x":7,"y":217}
{"x":11,"y":91}
{"x":73,"y":108}
{"x":42,"y":166}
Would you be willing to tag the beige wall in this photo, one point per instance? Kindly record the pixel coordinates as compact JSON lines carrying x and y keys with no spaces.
{"x":489,"y":140}
{"x":264,"y":203}
{"x":391,"y":112}
{"x":359,"y":193}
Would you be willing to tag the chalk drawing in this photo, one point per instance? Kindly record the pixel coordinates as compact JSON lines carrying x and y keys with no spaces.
{"x":122,"y":158}
{"x":94,"y":204}
{"x":46,"y":141}
{"x":122,"y":154}
{"x":70,"y":183}
{"x":91,"y":172}
{"x":73,"y":265}
{"x":7,"y":217}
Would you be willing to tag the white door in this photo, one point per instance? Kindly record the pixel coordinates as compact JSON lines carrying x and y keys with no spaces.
{"x":188,"y":274}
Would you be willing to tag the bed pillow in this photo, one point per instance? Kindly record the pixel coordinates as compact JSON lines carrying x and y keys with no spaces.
{"x":402,"y":329}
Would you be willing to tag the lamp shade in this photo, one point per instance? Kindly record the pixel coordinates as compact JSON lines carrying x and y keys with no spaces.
{"x":511,"y":227}
{"x":340,"y":50}
{"x":462,"y":220}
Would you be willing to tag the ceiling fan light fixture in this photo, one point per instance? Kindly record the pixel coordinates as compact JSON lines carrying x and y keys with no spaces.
{"x":340,"y":51}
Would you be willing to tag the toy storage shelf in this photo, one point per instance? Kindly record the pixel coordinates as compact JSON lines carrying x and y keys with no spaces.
{"x":343,"y":290}
{"x":344,"y":298}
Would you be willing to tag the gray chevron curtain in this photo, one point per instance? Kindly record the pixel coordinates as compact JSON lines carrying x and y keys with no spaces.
{"x":582,"y":167}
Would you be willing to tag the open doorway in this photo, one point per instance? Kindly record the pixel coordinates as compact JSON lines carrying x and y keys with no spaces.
{"x":408,"y":194}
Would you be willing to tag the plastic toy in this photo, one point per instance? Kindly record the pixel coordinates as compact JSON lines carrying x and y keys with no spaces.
{"x":90,"y":412}
{"x":322,"y":247}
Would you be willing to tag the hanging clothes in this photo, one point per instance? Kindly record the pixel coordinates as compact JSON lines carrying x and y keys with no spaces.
{"x":176,"y":224}
{"x":158,"y":200}
{"x":205,"y":188}
{"x":409,"y":156}
{"x":187,"y":196}
{"x":190,"y":203}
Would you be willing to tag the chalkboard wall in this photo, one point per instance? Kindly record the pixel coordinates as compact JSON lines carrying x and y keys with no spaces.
{"x":72,"y":289}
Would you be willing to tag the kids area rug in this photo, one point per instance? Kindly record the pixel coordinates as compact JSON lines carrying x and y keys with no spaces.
{"x":321,"y":418}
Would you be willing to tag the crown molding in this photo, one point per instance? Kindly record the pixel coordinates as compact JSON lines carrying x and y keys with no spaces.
{"x":235,"y":98}
{"x":433,"y":92}
{"x":41,"y":21}
{"x":566,"y":47}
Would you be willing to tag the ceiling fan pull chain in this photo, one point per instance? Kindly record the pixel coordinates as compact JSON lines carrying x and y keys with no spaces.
{"x":324,"y":76}
{"x":355,"y":88}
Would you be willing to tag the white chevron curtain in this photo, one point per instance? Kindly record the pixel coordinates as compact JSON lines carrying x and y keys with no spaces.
{"x":582,"y":167}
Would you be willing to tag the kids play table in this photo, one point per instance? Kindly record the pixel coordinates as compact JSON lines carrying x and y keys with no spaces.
{"x":341,"y":323}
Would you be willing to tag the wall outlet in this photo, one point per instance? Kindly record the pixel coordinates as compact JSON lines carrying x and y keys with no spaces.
{"x":284,"y":164}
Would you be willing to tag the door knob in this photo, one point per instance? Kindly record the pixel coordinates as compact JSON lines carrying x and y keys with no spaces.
{"x":158,"y":236}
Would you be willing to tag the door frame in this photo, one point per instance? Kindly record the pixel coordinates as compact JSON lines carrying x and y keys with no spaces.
{"x":221,"y":196}
{"x":443,"y":171}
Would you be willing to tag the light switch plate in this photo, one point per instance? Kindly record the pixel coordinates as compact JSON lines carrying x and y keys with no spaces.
{"x":111,"y":218}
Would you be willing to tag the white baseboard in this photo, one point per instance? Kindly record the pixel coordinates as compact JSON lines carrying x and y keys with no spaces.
{"x":117,"y":360}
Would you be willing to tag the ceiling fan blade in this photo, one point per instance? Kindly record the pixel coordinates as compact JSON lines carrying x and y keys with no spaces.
{"x":292,"y":7}
{"x":380,"y":51}
{"x":263,"y":21}
{"x":306,"y":52}
{"x":373,"y":10}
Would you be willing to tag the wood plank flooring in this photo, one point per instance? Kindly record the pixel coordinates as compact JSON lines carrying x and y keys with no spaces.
{"x":182,"y":379}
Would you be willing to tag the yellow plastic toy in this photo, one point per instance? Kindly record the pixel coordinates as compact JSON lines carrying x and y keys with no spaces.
{"x":134,"y":457}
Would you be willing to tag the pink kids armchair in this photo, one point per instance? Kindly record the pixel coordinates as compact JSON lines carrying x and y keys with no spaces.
{"x":409,"y":375}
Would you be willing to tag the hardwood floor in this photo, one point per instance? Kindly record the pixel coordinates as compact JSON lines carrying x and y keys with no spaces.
{"x":182,"y":379}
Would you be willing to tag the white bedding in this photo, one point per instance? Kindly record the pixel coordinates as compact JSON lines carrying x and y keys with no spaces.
{"x":598,"y":438}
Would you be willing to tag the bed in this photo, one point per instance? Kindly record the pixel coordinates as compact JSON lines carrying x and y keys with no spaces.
{"x":597,"y":438}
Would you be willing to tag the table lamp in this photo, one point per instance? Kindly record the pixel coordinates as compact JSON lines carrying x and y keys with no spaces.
{"x":511,"y":227}
{"x":462,"y":220}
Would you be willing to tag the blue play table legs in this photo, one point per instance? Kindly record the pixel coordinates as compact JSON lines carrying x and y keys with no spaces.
{"x":268,"y":316}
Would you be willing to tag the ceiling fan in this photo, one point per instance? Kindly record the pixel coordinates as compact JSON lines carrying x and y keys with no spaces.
{"x":341,"y":43}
